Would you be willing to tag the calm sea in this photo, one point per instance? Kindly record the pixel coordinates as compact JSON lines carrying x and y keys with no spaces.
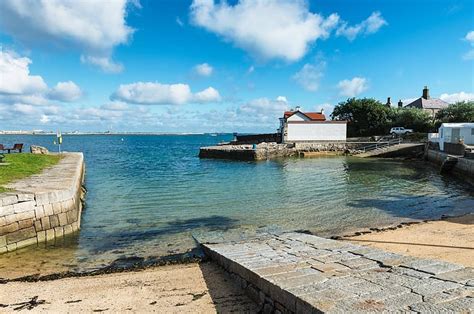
{"x":150,"y":195}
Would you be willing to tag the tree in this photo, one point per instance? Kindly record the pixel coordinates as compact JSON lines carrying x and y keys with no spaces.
{"x":365,"y":116}
{"x":459,"y":112}
{"x":412,"y":118}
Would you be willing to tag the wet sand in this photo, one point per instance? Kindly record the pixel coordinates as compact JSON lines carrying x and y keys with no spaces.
{"x":196,"y":288}
{"x":450,"y":240}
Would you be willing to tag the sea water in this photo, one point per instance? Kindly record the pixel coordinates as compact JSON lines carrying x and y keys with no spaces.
{"x":151,"y":195}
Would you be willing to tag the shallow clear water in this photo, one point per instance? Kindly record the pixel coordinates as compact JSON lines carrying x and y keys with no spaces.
{"x":150,"y":195}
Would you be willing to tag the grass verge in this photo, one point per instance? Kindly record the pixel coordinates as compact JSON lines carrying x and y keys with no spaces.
{"x":23,"y":165}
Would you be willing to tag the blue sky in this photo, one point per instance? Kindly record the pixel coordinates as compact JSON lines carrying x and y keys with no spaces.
{"x":211,"y":66}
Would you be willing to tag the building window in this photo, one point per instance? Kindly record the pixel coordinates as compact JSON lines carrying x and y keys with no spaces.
{"x":472,"y":131}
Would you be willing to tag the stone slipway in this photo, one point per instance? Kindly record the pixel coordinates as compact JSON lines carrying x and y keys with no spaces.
{"x":43,"y":207}
{"x":295,"y":272}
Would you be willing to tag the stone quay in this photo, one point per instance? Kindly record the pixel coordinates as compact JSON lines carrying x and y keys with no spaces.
{"x":43,"y":207}
{"x":301,"y":273}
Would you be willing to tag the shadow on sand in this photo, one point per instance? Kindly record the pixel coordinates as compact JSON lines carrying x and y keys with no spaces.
{"x":225,"y":293}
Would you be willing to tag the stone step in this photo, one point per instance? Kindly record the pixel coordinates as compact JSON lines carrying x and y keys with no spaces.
{"x":301,"y":273}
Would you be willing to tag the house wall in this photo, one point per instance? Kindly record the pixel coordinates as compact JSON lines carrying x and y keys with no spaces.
{"x":297,"y":117}
{"x":316,"y":131}
{"x":465,"y":134}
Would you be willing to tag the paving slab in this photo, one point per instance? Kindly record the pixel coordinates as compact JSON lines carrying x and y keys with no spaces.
{"x":296,"y":272}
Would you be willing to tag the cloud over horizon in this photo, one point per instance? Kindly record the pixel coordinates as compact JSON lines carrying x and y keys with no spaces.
{"x":154,"y":93}
{"x":456,"y":97}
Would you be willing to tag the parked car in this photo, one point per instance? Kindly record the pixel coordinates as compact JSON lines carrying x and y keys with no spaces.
{"x":400,"y":131}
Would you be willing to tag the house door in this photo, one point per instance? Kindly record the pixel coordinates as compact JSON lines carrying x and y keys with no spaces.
{"x":455,"y":135}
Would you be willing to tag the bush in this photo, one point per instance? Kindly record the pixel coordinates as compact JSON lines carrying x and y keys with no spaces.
{"x":365,"y":117}
{"x":459,"y":112}
{"x":412,"y":118}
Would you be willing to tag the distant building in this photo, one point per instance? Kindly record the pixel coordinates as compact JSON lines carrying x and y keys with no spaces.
{"x":298,"y":126}
{"x":425,"y":102}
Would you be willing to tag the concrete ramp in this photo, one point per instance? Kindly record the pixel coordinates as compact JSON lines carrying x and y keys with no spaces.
{"x":399,"y":150}
{"x":300,"y":273}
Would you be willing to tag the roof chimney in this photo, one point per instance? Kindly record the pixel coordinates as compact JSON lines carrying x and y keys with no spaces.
{"x":389,"y":102}
{"x":426,"y":93}
{"x":400,"y":104}
{"x":322,"y":111}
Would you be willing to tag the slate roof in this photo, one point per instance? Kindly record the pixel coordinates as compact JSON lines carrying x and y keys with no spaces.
{"x":432,"y":103}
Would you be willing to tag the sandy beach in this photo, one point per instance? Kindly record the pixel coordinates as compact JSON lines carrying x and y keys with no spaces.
{"x":450,"y":240}
{"x":206,"y":288}
{"x":197,"y":288}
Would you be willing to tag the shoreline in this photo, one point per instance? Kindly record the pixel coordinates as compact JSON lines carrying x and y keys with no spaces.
{"x":133,"y":264}
{"x":447,"y":239}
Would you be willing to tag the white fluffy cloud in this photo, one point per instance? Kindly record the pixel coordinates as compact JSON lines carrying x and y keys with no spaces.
{"x":149,"y":93}
{"x":15,"y":75}
{"x":353,"y":87}
{"x":280,"y":29}
{"x":203,"y":69}
{"x":469,"y":38}
{"x":369,"y":26}
{"x":24,"y":94}
{"x":93,"y":27}
{"x":310,"y":76}
{"x":455,"y":97}
{"x":115,"y":106}
{"x":210,"y":94}
{"x":65,"y":91}
{"x":263,"y":110}
{"x":104,"y":63}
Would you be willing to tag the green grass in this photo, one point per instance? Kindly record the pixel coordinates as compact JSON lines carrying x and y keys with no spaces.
{"x":24,"y":165}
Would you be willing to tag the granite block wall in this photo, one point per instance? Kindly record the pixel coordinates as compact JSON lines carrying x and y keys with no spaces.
{"x":44,"y":207}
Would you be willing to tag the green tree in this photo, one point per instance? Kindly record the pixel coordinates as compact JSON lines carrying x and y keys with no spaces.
{"x":412,"y":118}
{"x":459,"y":112}
{"x":365,"y":116}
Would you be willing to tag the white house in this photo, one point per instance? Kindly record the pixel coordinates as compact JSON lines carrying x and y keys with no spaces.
{"x":297,"y":126}
{"x":454,"y":133}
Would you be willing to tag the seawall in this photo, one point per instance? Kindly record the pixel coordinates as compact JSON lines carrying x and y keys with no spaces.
{"x":43,"y":207}
{"x":463,"y":166}
{"x":265,"y":151}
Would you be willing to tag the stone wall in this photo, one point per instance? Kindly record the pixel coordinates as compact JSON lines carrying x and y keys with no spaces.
{"x":463,"y":166}
{"x":44,"y":207}
{"x":265,"y":151}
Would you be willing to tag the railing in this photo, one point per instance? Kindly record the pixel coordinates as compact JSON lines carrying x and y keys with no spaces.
{"x":380,"y":145}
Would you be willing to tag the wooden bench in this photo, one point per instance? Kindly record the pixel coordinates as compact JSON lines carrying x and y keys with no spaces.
{"x":16,"y":147}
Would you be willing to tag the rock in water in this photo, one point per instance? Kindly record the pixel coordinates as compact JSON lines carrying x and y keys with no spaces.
{"x":34,"y":149}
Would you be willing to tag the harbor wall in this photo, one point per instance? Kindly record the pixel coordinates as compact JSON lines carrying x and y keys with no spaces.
{"x":463,"y":166}
{"x":265,"y":151}
{"x":44,"y":207}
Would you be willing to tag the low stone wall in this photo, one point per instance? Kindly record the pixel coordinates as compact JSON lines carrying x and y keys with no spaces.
{"x":44,"y":207}
{"x":265,"y":151}
{"x":463,"y":166}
